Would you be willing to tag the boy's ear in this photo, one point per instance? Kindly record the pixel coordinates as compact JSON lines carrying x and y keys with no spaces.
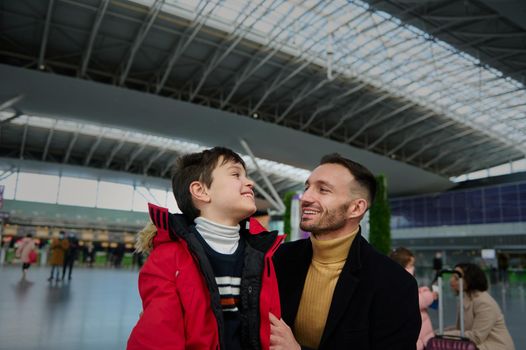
{"x":199,"y":192}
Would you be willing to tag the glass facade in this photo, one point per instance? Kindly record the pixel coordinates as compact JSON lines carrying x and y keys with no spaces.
{"x":495,"y":204}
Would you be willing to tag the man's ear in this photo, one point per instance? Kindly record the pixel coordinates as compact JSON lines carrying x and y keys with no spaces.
{"x":357,"y":208}
{"x":199,"y":192}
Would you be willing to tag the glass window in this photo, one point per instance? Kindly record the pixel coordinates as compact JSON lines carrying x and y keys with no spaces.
{"x":114,"y":196}
{"x":37,"y":187}
{"x":474,"y":206}
{"x":432,"y":212}
{"x":522,"y":199}
{"x":445,"y":209}
{"x":460,"y":211}
{"x":142,"y":196}
{"x":75,"y":191}
{"x":419,"y":212}
{"x":492,"y":205}
{"x":9,"y":183}
{"x":510,"y":203}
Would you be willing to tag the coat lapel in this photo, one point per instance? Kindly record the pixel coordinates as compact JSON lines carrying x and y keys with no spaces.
{"x":296,"y":268}
{"x":344,"y":290}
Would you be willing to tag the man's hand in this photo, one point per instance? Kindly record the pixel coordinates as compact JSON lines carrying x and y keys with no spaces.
{"x":281,"y":336}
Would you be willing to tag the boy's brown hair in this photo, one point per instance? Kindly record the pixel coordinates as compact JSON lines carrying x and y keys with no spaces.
{"x":198,"y":167}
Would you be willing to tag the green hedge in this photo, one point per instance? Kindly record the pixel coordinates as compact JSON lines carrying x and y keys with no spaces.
{"x":287,"y":200}
{"x":380,"y":218}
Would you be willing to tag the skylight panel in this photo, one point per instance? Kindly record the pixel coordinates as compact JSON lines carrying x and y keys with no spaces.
{"x":377,"y":48}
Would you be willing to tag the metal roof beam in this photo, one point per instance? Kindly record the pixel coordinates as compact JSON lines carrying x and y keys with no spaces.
{"x":114,"y":151}
{"x":355,"y":112}
{"x":492,"y":35}
{"x":432,"y":143}
{"x":169,"y":165}
{"x":23,"y":142}
{"x":94,"y":30}
{"x":276,"y":84}
{"x":93,"y":148}
{"x":504,"y":49}
{"x":470,"y":156}
{"x":48,"y":141}
{"x":305,"y":92}
{"x":493,"y":155}
{"x":235,"y":37}
{"x":143,"y":31}
{"x":481,"y":17}
{"x":251,"y":67}
{"x":284,"y":74}
{"x":418,"y":135}
{"x":45,"y":35}
{"x":378,"y":118}
{"x":276,"y":199}
{"x":70,"y":147}
{"x":134,"y":155}
{"x":183,"y":42}
{"x":402,"y":125}
{"x":153,"y":159}
{"x":454,"y":150}
{"x":10,"y":102}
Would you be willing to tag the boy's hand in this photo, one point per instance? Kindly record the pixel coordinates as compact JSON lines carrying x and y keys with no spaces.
{"x":281,"y":336}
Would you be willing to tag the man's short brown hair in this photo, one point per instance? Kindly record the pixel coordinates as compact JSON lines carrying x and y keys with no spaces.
{"x":198,"y":167}
{"x":361,"y":174}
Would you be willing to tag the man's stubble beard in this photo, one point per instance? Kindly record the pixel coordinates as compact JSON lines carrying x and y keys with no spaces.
{"x":329,"y":221}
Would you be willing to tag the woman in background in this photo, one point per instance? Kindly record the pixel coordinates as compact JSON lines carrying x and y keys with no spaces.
{"x":23,"y":252}
{"x":483,"y":320}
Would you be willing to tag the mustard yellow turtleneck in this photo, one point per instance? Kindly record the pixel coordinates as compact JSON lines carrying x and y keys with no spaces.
{"x":328,"y":258}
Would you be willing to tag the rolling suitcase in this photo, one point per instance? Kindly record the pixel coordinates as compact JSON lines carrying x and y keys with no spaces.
{"x":447,"y":342}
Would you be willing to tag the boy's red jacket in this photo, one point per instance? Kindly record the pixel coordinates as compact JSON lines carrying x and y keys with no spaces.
{"x":181,"y":308}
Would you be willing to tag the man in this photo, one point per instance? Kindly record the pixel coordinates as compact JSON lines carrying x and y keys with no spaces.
{"x":209,"y":281}
{"x":58,"y":250}
{"x":336,"y":291}
{"x":70,"y":255}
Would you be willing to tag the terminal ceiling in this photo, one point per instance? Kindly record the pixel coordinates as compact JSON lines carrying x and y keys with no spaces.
{"x":344,"y":71}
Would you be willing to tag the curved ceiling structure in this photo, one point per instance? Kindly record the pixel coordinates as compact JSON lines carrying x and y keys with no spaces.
{"x":324,"y":75}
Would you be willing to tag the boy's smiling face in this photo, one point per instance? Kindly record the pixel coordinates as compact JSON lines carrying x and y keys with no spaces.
{"x":231,"y":194}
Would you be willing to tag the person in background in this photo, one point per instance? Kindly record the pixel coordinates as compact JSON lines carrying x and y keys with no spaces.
{"x":437,"y":265}
{"x":89,"y":254}
{"x":26,"y":247}
{"x":406,"y":259}
{"x":71,"y":255}
{"x":483,"y":320}
{"x":503,"y":264}
{"x":57,"y":249}
{"x":118,"y":255}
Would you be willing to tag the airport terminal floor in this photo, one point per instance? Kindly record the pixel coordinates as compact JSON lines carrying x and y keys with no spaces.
{"x":98,"y":307}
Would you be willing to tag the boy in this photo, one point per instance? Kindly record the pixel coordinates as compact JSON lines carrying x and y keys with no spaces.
{"x":209,"y":282}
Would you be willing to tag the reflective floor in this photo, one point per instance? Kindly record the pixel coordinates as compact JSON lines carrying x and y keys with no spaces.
{"x":95,"y":310}
{"x":98,"y":308}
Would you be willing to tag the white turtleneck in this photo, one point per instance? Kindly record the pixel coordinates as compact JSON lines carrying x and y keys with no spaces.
{"x":221,"y":238}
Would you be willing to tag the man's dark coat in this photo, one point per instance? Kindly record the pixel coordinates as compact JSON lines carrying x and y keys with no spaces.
{"x":374,"y":305}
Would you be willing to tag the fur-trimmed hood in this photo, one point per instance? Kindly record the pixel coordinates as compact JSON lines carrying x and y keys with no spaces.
{"x":144,"y":239}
